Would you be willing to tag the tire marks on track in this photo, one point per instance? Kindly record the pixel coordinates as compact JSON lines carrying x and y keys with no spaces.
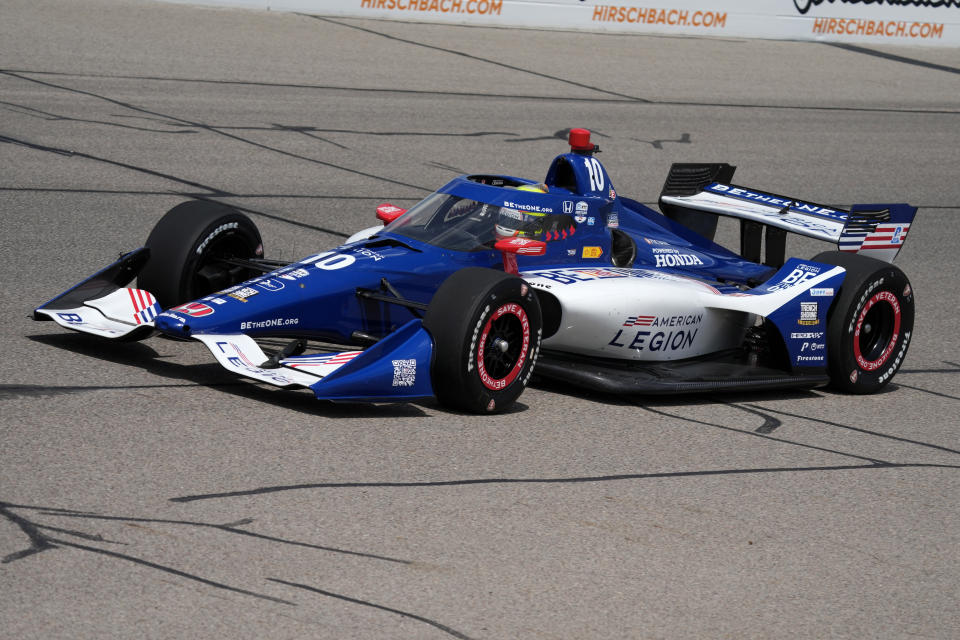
{"x":39,"y":541}
{"x":212,"y":129}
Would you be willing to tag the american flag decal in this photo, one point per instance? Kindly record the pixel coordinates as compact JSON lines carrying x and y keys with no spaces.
{"x":872,"y":230}
{"x":886,"y":236}
{"x":145,"y":306}
{"x":243,"y":356}
{"x":639,"y":321}
{"x":329,"y":359}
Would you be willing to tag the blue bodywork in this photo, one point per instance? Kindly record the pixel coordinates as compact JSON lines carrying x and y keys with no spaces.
{"x":580,"y":217}
{"x":316,"y":297}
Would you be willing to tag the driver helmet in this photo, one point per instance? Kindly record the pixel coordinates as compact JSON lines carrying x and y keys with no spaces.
{"x":516,"y":222}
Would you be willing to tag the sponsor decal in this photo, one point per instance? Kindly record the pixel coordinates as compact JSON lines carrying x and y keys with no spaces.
{"x":654,"y":16}
{"x":863,"y":300}
{"x":568,"y":206}
{"x":799,"y":275}
{"x":612,"y":194}
{"x":215,"y":300}
{"x":582,"y":207}
{"x":243,"y":362}
{"x":819,"y":292}
{"x":269,"y":284}
{"x":591,"y":221}
{"x":661,"y":243}
{"x":213,"y":234}
{"x":469,"y":7}
{"x":803,"y":6}
{"x":592,"y":252}
{"x":194,"y":309}
{"x":473,"y":339}
{"x":72,"y":318}
{"x":571,"y":252}
{"x":764,"y":198}
{"x":598,"y":273}
{"x":659,"y":341}
{"x":872,"y":365}
{"x":368,"y":253}
{"x":809,"y":313}
{"x":807,"y":335}
{"x":896,"y":362}
{"x":676,"y":259}
{"x":663,"y":321}
{"x":573,"y":276}
{"x":856,"y":238}
{"x":404,"y":372}
{"x":812,"y":346}
{"x":488,"y":381}
{"x":243,"y":294}
{"x":881,"y":28}
{"x":325,"y":360}
{"x":580,"y":219}
{"x":613,"y":220}
{"x":266,"y":324}
{"x":295,"y":274}
{"x":810,"y":358}
{"x":533,"y":208}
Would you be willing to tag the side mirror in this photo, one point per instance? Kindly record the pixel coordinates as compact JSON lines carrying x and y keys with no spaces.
{"x":521,"y":246}
{"x":512,"y":247}
{"x":388,"y":213}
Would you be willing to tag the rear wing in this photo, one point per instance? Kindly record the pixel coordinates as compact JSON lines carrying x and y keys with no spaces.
{"x":693,"y":191}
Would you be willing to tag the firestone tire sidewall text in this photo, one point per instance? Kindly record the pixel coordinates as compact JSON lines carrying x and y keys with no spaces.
{"x":486,"y":327}
{"x":870,"y":326}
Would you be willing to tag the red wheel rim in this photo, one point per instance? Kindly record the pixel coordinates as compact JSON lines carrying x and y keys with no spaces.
{"x":877,"y":331}
{"x":504,"y":345}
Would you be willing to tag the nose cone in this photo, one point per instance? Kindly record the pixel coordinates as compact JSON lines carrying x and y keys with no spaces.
{"x":172,"y":324}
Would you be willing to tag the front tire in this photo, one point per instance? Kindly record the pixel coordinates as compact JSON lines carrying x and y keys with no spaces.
{"x":186,"y":248}
{"x":870,"y":325}
{"x":486,"y":327}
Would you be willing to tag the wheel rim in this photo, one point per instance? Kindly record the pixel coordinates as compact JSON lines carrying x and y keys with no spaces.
{"x":211,"y":273}
{"x":877,"y":331}
{"x":503,"y":346}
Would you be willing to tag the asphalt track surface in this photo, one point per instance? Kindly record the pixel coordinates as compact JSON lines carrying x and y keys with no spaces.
{"x":146,"y":492}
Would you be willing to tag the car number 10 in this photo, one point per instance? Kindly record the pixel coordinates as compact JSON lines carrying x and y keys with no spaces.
{"x":595,"y":172}
{"x":331,"y":261}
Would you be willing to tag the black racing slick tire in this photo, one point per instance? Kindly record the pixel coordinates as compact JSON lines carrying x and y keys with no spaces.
{"x":187,"y":246}
{"x":486,"y":327}
{"x":869,"y":325}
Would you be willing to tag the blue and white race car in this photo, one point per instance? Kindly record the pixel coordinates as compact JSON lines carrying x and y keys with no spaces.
{"x":493,"y":278}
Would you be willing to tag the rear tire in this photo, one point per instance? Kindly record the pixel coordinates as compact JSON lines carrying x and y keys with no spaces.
{"x":486,"y":327}
{"x":186,"y":246}
{"x":870,"y":325}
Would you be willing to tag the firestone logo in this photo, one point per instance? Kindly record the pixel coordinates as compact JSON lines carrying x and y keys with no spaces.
{"x":803,"y":6}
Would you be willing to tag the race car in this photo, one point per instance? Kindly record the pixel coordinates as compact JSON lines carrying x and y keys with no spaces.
{"x":493,"y":278}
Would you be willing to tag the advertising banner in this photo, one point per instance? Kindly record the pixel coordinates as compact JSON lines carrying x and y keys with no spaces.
{"x":904,"y":22}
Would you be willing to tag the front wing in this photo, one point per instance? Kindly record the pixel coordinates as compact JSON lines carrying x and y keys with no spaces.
{"x":395,"y":368}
